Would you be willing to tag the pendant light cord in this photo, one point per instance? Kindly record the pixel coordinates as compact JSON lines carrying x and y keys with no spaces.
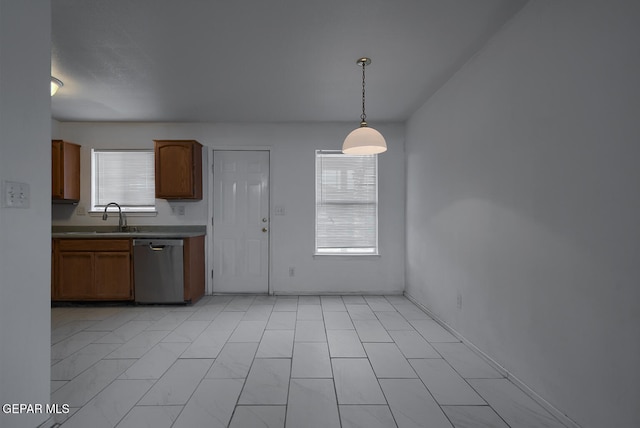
{"x":363,"y":117}
{"x":364,"y":140}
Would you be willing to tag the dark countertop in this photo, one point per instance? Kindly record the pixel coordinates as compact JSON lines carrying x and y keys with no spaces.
{"x":108,"y":232}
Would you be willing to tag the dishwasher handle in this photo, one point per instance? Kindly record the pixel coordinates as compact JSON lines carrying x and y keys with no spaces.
{"x":158,"y":244}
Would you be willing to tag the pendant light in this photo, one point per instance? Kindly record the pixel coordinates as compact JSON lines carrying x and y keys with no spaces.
{"x":364,"y":140}
{"x":55,"y":85}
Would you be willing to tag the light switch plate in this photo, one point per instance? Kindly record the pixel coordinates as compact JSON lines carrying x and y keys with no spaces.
{"x":15,"y":195}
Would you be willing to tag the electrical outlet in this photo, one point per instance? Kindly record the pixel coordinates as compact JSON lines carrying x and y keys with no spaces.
{"x":279,"y":210}
{"x":81,"y":210}
{"x":177,"y":210}
{"x":15,"y":195}
{"x":459,"y":300}
{"x":292,"y":271}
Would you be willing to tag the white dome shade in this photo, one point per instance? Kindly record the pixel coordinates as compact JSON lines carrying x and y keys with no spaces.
{"x":55,"y":85}
{"x":364,"y":141}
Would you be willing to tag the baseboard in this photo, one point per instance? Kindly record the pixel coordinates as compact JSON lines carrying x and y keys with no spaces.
{"x":559,"y":415}
{"x":49,"y":423}
{"x":335,"y":293}
{"x":310,"y":293}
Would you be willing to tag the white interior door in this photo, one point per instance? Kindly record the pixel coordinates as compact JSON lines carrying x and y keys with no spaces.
{"x":240,"y":221}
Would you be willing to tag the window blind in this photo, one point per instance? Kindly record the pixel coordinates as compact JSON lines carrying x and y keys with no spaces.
{"x":346,"y":203}
{"x":123,"y":176}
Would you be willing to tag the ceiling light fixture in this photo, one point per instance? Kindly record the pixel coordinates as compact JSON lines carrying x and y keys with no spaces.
{"x":364,"y":140}
{"x":55,"y":85}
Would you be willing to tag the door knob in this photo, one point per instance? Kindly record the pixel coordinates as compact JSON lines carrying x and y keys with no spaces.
{"x":264,"y":220}
{"x":264,"y":229}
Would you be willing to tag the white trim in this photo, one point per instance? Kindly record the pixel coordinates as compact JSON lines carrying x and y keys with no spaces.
{"x":124,"y":208}
{"x":316,"y":251}
{"x":241,"y":148}
{"x":558,"y":414}
{"x":343,"y":255}
{"x":209,"y":242}
{"x":338,"y":293}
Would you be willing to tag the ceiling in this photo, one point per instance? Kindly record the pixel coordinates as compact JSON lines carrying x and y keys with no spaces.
{"x":259,"y":60}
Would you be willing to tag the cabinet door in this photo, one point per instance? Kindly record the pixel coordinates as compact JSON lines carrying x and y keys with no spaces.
{"x":75,"y":276}
{"x":65,"y":171}
{"x":57,"y":183}
{"x":112,"y":276}
{"x":178,"y":169}
{"x":194,"y":268}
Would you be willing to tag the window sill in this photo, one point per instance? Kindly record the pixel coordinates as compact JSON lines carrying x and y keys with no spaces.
{"x":342,"y":255}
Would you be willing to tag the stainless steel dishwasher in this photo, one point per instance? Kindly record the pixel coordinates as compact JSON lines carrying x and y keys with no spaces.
{"x":158,"y":270}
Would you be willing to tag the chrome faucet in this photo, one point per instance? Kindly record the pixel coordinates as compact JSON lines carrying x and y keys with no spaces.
{"x":122,"y":220}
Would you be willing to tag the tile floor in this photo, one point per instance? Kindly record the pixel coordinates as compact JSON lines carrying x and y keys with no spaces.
{"x":264,"y":361}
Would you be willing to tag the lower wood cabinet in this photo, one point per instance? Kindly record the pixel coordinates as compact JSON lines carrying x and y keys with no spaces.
{"x":113,"y":275}
{"x":102,"y":269}
{"x":92,"y":269}
{"x":194,"y":268}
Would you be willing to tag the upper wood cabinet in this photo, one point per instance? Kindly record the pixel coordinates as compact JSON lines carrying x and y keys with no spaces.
{"x":178,"y":169}
{"x":65,"y":170}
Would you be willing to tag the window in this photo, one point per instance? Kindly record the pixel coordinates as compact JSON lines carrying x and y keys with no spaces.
{"x":346,"y":203}
{"x":123,"y":176}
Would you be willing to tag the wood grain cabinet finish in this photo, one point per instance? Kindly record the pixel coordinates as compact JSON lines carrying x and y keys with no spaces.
{"x":92,"y":269}
{"x":178,"y":172}
{"x":75,"y":276}
{"x":194,"y":268}
{"x":65,"y":171}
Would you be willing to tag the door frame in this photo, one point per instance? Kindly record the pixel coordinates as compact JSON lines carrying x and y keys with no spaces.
{"x":209,"y":241}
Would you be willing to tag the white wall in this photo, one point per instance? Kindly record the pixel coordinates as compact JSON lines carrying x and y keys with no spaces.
{"x":522,"y":175}
{"x":25,"y":245}
{"x":122,"y":136}
{"x":55,"y":130}
{"x":292,"y":187}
